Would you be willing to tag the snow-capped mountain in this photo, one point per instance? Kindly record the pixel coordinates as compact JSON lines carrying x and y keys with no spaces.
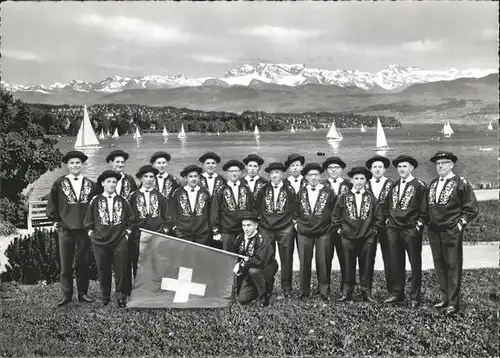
{"x":392,"y":78}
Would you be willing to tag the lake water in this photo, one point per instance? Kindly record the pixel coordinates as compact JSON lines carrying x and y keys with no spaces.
{"x":355,"y":149}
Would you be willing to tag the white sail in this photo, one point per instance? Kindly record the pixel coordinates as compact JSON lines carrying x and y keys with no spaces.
{"x":490,"y":127}
{"x":447,"y":130}
{"x":137,"y":134}
{"x":115,"y":134}
{"x":86,"y":137}
{"x":334,"y":134}
{"x":292,"y":130}
{"x":363,"y":129}
{"x":102,"y":136}
{"x":165,"y":133}
{"x":256,"y":131}
{"x":107,"y":133}
{"x":182,"y":133}
{"x":381,"y":139}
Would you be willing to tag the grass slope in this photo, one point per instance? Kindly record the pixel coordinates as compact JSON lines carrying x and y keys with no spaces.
{"x":30,"y":325}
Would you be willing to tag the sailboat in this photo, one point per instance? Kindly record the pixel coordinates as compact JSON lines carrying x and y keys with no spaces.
{"x":447,"y":130}
{"x":137,"y":135}
{"x":363,"y":129}
{"x":334,"y":134}
{"x":256,"y":131}
{"x":115,"y":134}
{"x":381,"y":139}
{"x":182,"y":133}
{"x":102,"y":136}
{"x":490,"y":127}
{"x":165,"y":133}
{"x":292,"y":130}
{"x":86,"y":137}
{"x":107,"y":133}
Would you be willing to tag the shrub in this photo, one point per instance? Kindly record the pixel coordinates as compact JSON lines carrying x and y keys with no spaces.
{"x":6,"y":227}
{"x":14,"y":212}
{"x":35,"y":258}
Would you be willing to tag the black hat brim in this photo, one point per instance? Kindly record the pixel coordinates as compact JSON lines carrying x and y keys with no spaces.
{"x":258,"y":160}
{"x":410,"y":160}
{"x":160,"y":155}
{"x":386,"y":161}
{"x":290,"y":161}
{"x":206,"y":156}
{"x":186,"y":171}
{"x":365,"y":172}
{"x":105,"y":176}
{"x":113,"y":155}
{"x":451,"y":157}
{"x":71,"y":155}
{"x":140,"y":173}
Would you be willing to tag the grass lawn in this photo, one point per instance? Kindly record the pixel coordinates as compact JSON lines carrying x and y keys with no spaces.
{"x":32,"y":326}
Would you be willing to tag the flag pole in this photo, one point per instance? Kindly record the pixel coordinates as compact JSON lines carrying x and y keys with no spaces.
{"x":194,"y":243}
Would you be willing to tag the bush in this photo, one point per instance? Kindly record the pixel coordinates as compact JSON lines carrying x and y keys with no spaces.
{"x":14,"y":212}
{"x":35,"y":258}
{"x":6,"y":227}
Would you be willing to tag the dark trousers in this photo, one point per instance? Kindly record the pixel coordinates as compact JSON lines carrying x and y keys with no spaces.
{"x":203,"y":239}
{"x":337,"y":247}
{"x":401,"y":241}
{"x":384,"y":247}
{"x":285,"y":240}
{"x":228,"y":240}
{"x":447,"y":253}
{"x":256,"y":282}
{"x":305,"y":247}
{"x":107,"y":257}
{"x":68,"y":239}
{"x":360,"y":250}
{"x":133,"y":258}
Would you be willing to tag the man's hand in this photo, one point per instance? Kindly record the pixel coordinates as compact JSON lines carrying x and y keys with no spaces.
{"x":91,"y":232}
{"x":217,"y":237}
{"x":56,"y":225}
{"x":236,"y":269}
{"x":460,"y":227}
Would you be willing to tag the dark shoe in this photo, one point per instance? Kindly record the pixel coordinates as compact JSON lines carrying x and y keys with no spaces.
{"x":287,"y":294}
{"x":392,"y":299}
{"x":450,"y":310}
{"x":367,"y":298}
{"x":264,"y":301}
{"x":63,"y":301}
{"x":325,"y":298}
{"x":85,"y":298}
{"x":343,"y":299}
{"x":122,"y":303}
{"x":415,"y":304}
{"x":315,"y":291}
{"x":105,"y":302}
{"x":302,"y":296}
{"x":441,"y":304}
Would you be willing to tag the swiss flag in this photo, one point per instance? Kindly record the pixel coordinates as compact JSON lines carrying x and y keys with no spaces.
{"x":175,"y":273}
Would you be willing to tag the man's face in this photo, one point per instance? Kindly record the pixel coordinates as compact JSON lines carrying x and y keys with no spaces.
{"x":161,"y":164}
{"x":74,"y":166}
{"x":334,"y":171}
{"x":252,"y":169}
{"x":233,"y":173}
{"x":209,"y":166}
{"x":405,"y":169}
{"x":295,"y":168}
{"x":378,"y":169}
{"x":249,"y":227}
{"x":276,"y":176}
{"x":117,"y":164}
{"x":192,"y":179}
{"x":444,"y":167}
{"x":148,"y":180}
{"x":109,"y":185}
{"x":358,"y":181}
{"x":313,"y":177}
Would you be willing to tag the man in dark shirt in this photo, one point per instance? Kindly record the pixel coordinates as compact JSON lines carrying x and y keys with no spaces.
{"x":126,"y":184}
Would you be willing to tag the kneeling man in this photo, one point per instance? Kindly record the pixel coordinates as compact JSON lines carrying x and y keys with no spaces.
{"x":255,"y":274}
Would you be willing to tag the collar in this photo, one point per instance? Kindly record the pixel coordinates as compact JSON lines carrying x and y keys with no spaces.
{"x":382,"y":179}
{"x":319,"y":186}
{"x":291,"y":178}
{"x":449,"y":176}
{"x":143,"y":189}
{"x":249,"y":237}
{"x":188,"y":188}
{"x":362,"y":191}
{"x":206,"y":175}
{"x":279,"y":185}
{"x":409,"y":179}
{"x":339,"y":180}
{"x":230,"y":184}
{"x":255,"y":178}
{"x":164,"y":174}
{"x":71,"y":176}
{"x":112,"y":195}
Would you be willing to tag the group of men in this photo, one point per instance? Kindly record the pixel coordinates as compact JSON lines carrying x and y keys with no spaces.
{"x":255,"y":217}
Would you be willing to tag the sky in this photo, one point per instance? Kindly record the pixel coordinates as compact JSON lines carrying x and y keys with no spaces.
{"x":47,"y":42}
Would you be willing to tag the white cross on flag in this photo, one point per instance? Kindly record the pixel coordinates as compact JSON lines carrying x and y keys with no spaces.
{"x":175,"y":273}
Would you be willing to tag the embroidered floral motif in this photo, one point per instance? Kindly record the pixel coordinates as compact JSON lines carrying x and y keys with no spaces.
{"x":280,"y":203}
{"x":200,"y":203}
{"x":351,"y":207}
{"x":117,"y":212}
{"x":257,"y":188}
{"x":305,"y":203}
{"x":385,"y":191}
{"x":395,"y":196}
{"x":103,"y":211}
{"x":408,"y":194}
{"x":185,"y":206}
{"x":68,"y":191}
{"x":242,"y":199}
{"x":86,"y":190}
{"x":229,"y":198}
{"x":445,"y":195}
{"x":141,"y":206}
{"x":154,"y":205}
{"x":250,"y":250}
{"x":343,"y":188}
{"x":321,"y":203}
{"x":218,"y":184}
{"x":125,"y":190}
{"x":365,"y":206}
{"x":432,"y":193}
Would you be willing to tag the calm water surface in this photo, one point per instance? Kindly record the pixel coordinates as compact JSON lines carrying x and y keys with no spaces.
{"x":355,"y":149}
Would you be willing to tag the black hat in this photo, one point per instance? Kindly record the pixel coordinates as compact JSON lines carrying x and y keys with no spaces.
{"x":248,"y":215}
{"x":117,"y":153}
{"x":146,"y":169}
{"x":405,"y":158}
{"x":294,"y":157}
{"x":108,"y":174}
{"x":444,"y":155}
{"x":233,"y":163}
{"x":253,"y":158}
{"x":275,"y":166}
{"x":360,"y":170}
{"x":312,"y":166}
{"x":189,"y":169}
{"x":378,"y":158}
{"x":74,"y":154}
{"x":334,"y":160}
{"x":209,"y":155}
{"x":160,"y":155}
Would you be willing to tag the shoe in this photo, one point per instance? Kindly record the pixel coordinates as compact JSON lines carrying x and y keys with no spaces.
{"x":302,"y":296}
{"x":441,"y":304}
{"x":392,"y":299}
{"x":264,"y":302}
{"x":343,"y":299}
{"x":85,"y":298}
{"x":367,"y":298}
{"x":287,"y":294}
{"x":105,"y":302}
{"x":63,"y":301}
{"x":122,"y":303}
{"x":450,"y":310}
{"x":315,"y":291}
{"x":415,"y":304}
{"x":325,"y":298}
